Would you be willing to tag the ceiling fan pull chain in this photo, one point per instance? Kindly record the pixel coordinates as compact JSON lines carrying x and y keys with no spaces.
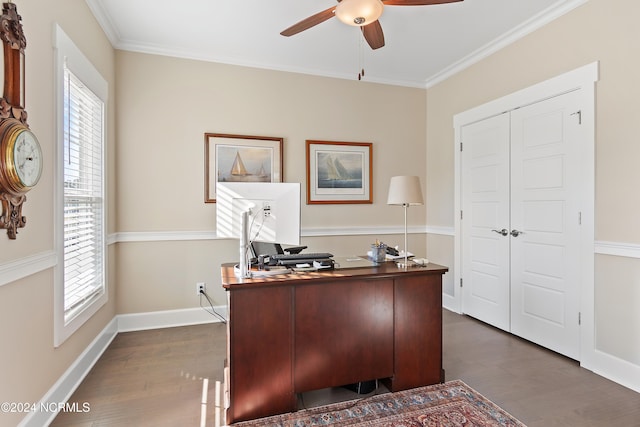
{"x":360,"y":55}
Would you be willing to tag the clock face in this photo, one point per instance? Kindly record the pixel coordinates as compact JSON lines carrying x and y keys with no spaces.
{"x":27,"y":158}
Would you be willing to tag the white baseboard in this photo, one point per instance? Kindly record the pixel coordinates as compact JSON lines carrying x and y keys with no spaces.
{"x":450,"y":303}
{"x":615,"y":369}
{"x":71,"y":379}
{"x":610,"y":367}
{"x":168,"y":319}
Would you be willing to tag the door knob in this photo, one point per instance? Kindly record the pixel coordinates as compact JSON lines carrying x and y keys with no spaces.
{"x":516,"y":233}
{"x":504,"y":231}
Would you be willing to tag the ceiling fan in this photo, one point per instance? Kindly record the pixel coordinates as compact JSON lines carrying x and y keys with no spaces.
{"x":360,"y":13}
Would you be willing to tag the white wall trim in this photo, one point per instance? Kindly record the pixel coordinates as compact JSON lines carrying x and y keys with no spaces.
{"x":450,"y":303}
{"x":71,"y":379}
{"x":615,"y":369}
{"x":606,"y":365}
{"x":23,"y":267}
{"x":168,"y":318}
{"x":162,"y":236}
{"x":619,"y":249}
{"x":32,"y":264}
{"x":630,"y":250}
{"x":602,"y":364}
{"x":551,"y":13}
{"x":361,"y":231}
{"x":538,"y":21}
{"x":442,"y":231}
{"x":143,"y":236}
{"x":583,"y":79}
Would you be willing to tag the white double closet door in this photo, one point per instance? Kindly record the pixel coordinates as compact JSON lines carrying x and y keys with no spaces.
{"x":521,"y":196}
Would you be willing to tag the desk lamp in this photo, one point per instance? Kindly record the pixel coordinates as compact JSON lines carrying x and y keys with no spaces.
{"x":405,"y":191}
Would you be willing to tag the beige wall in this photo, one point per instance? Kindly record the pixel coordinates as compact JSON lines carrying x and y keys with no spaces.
{"x":156,"y":180}
{"x":603,"y":31}
{"x":165,"y":105}
{"x":30,"y":364}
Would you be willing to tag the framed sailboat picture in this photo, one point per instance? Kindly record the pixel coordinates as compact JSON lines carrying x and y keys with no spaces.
{"x":339,"y":172}
{"x":240,"y":158}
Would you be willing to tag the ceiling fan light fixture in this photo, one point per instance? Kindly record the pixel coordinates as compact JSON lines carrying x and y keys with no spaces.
{"x":359,"y":12}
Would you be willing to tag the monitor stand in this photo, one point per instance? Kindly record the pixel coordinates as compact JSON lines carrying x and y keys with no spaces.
{"x":242,"y":270}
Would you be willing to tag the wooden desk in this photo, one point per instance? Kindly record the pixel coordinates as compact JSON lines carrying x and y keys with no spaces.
{"x":304,"y":331}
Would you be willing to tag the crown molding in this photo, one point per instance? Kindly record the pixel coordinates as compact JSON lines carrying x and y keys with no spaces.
{"x":105,"y":22}
{"x":548,"y":15}
{"x":553,"y":12}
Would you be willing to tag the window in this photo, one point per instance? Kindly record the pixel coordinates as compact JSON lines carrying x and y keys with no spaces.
{"x":83,"y":195}
{"x":80,"y":288}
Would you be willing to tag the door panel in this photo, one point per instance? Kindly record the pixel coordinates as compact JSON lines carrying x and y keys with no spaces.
{"x":485,"y":189}
{"x":520,"y":172}
{"x":545,"y":207}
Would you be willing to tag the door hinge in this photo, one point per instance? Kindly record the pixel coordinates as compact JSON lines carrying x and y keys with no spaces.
{"x":579,"y":318}
{"x":579,"y":114}
{"x":460,"y":146}
{"x":461,"y":282}
{"x":579,"y":218}
{"x":460,"y":213}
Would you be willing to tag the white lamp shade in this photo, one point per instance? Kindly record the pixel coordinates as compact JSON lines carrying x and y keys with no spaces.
{"x":405,"y":190}
{"x":359,"y":12}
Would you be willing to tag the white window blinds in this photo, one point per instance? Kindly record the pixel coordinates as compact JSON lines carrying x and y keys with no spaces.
{"x":84,"y":242}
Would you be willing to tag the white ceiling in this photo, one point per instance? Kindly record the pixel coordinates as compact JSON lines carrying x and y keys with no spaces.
{"x":424,"y":44}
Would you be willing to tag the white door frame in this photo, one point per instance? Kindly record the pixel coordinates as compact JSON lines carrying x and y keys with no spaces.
{"x":583,"y":78}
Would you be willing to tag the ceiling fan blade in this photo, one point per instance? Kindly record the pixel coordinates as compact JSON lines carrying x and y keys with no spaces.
{"x":373,"y":34}
{"x":416,"y":2}
{"x":309,"y":22}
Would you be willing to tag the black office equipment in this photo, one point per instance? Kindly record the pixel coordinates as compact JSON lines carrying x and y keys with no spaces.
{"x":364,"y":387}
{"x":392,"y":251}
{"x":263,"y":248}
{"x":303,"y":258}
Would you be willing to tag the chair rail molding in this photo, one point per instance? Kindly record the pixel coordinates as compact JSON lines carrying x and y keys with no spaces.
{"x":629,"y":250}
{"x":23,"y":267}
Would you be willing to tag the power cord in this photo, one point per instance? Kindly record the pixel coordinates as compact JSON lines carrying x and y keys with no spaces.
{"x":213,"y":311}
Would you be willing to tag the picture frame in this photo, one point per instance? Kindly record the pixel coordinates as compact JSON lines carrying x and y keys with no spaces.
{"x":240,"y":158}
{"x":339,"y":172}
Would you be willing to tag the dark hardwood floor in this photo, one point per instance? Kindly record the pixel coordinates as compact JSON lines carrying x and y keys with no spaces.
{"x":156,"y":378}
{"x":536,"y":385}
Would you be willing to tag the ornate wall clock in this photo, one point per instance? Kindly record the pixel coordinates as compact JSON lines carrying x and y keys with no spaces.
{"x":20,"y":153}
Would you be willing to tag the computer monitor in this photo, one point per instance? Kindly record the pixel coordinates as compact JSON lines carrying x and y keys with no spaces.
{"x":260,"y":212}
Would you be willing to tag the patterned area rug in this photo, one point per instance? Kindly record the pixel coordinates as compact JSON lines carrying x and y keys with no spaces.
{"x":452,"y":404}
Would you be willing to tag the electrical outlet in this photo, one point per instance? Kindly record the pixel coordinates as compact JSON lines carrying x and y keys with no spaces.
{"x":201,"y":288}
{"x":266,"y":208}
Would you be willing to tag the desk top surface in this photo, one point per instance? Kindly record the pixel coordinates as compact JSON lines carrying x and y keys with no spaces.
{"x":386,"y":269}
